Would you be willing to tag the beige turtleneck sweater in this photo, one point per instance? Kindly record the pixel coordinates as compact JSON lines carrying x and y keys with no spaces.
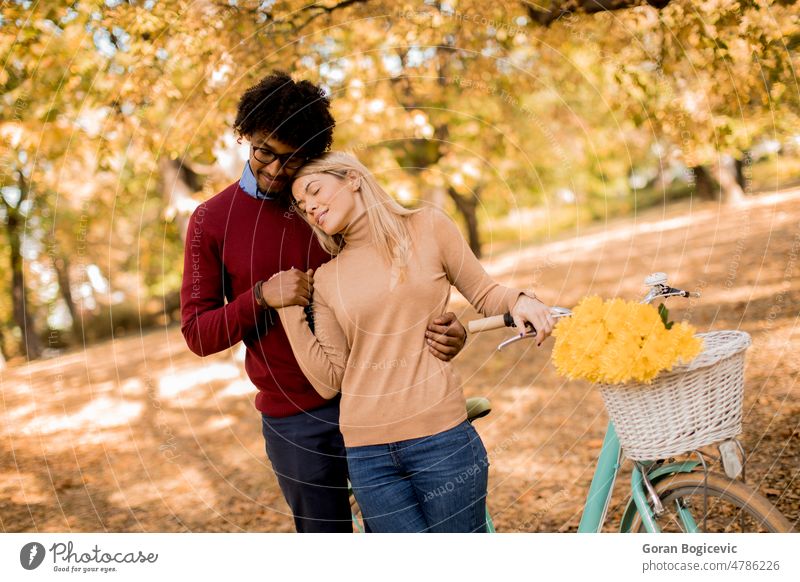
{"x":370,"y":328}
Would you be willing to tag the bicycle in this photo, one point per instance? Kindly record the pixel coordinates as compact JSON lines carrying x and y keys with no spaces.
{"x":668,"y":494}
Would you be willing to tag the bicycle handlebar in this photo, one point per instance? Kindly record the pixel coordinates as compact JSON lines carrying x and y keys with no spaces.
{"x":489,"y":323}
{"x":505,"y":320}
{"x":658,"y":289}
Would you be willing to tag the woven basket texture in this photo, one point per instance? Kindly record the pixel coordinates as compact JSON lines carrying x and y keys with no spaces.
{"x":690,"y":406}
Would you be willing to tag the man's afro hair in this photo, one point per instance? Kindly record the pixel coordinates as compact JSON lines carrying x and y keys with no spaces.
{"x":295,"y":113}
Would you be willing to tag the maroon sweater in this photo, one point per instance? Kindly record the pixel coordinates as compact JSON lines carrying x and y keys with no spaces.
{"x":233,"y":241}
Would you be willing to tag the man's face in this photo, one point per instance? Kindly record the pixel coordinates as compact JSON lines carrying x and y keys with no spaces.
{"x":275,"y":176}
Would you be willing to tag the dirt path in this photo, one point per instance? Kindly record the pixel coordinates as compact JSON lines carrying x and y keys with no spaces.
{"x":139,"y":434}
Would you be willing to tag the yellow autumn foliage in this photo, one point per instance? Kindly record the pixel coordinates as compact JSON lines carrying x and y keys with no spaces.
{"x":618,"y":341}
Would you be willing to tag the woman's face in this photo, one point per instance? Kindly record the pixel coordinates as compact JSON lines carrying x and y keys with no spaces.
{"x":329,"y":202}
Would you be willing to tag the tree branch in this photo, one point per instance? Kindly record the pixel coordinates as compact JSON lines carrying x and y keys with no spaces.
{"x":316,"y":10}
{"x":560,"y":8}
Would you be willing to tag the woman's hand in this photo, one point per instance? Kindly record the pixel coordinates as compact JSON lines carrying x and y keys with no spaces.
{"x":533,"y":311}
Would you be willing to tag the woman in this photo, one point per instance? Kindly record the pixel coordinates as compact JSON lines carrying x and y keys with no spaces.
{"x":415,"y":463}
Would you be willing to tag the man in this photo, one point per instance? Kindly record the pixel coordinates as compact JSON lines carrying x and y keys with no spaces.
{"x":247,"y":253}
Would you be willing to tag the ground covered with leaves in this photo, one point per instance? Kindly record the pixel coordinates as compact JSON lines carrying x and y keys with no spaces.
{"x":140,"y":435}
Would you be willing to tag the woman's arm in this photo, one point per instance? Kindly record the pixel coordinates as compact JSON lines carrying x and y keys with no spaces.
{"x":322,"y":357}
{"x":465,"y":271}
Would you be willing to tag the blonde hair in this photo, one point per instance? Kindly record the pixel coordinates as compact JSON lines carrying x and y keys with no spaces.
{"x":385,"y":215}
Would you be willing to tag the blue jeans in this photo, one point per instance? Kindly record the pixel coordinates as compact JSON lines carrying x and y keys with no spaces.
{"x":429,"y":484}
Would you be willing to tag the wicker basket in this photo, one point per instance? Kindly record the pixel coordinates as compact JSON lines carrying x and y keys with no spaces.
{"x":690,"y":406}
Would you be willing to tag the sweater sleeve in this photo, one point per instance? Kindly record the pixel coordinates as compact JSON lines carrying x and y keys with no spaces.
{"x":322,"y":357}
{"x":209,"y":324}
{"x":465,"y":271}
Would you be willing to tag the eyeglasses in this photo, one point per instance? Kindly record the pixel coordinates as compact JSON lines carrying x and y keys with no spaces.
{"x":291,"y":161}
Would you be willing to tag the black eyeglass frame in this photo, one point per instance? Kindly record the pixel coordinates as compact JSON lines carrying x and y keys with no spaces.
{"x":292,"y":160}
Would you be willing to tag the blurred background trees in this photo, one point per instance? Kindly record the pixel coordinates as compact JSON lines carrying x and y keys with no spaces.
{"x":522,"y":119}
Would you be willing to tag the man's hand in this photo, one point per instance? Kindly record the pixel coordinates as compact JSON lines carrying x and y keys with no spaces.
{"x":292,"y":287}
{"x":446,"y":336}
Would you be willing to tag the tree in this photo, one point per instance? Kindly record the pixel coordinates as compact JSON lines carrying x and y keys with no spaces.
{"x":115,"y":114}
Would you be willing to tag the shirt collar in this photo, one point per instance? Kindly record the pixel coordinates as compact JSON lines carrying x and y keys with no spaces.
{"x":249,"y":184}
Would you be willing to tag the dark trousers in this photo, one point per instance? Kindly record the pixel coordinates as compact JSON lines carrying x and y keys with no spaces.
{"x":308,"y":456}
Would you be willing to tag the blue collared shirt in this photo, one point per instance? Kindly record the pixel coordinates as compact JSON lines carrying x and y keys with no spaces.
{"x":249,"y":184}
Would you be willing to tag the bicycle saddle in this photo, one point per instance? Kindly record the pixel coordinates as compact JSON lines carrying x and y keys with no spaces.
{"x":478,"y":407}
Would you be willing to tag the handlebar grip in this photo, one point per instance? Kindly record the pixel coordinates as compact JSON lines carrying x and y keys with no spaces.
{"x":489,"y":323}
{"x":680,"y":292}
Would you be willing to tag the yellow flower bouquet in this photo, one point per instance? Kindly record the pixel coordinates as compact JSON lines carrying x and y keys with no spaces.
{"x":617,"y":341}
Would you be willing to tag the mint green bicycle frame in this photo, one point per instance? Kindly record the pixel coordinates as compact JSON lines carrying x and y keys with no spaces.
{"x":599,"y":497}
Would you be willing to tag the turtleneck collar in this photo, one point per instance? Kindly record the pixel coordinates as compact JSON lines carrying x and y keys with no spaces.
{"x":358,"y":233}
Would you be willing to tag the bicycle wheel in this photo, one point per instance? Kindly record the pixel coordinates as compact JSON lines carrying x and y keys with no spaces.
{"x":732,"y":506}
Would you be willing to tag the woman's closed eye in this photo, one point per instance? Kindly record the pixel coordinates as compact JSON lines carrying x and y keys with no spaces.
{"x":301,"y":204}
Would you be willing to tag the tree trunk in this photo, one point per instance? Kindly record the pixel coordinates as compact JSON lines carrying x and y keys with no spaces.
{"x":704,"y":186}
{"x":61,"y":266}
{"x":179,"y":182}
{"x":743,"y":167}
{"x":468,"y":209}
{"x":730,"y":189}
{"x":30,"y":344}
{"x":740,"y":178}
{"x":2,"y":350}
{"x":718,"y":183}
